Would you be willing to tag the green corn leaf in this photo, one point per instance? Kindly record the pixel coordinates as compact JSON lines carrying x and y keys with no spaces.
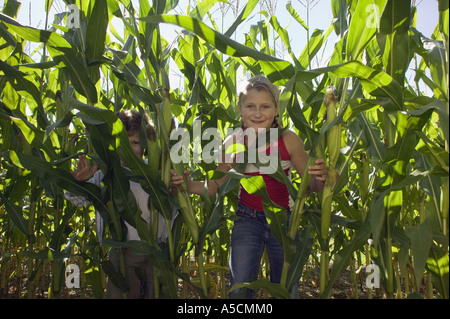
{"x":202,"y":8}
{"x":376,"y":83}
{"x":113,"y":8}
{"x":303,"y":251}
{"x":421,"y":240}
{"x":393,"y":38}
{"x":339,"y":9}
{"x":275,"y":290}
{"x":121,"y":194}
{"x":96,"y":30}
{"x":315,"y":43}
{"x":248,"y":9}
{"x":438,"y":264}
{"x":341,"y":259}
{"x":15,"y":213}
{"x":363,"y":26}
{"x":219,"y":41}
{"x":377,"y":211}
{"x":57,"y":176}
{"x":62,"y":53}
{"x":24,"y":86}
{"x":36,"y":137}
{"x":36,"y":35}
{"x":371,"y":135}
{"x":295,"y":15}
{"x":164,"y":269}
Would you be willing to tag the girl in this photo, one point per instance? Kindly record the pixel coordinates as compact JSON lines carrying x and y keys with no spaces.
{"x":259,"y":110}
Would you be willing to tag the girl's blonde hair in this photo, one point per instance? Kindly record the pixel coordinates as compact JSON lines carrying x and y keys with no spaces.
{"x":260,"y":83}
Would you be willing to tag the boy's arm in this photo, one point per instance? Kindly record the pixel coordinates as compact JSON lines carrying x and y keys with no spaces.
{"x":84,"y":172}
{"x":78,"y":200}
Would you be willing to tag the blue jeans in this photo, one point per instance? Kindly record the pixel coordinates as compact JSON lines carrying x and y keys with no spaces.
{"x":250,"y":234}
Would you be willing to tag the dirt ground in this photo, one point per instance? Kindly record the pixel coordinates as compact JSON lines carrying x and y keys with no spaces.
{"x":343,"y":288}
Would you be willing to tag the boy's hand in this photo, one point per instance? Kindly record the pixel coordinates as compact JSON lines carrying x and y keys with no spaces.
{"x":84,"y":171}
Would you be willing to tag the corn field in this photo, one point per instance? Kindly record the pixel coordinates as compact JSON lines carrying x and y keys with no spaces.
{"x":382,"y":218}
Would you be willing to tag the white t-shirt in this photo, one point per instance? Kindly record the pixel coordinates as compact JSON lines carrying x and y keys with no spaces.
{"x":142,"y":201}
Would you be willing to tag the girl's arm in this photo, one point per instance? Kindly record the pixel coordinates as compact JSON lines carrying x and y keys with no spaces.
{"x":299,"y":157}
{"x":196,"y":187}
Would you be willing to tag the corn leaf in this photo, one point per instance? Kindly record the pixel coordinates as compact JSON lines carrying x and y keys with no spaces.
{"x":275,"y":290}
{"x":219,"y":41}
{"x":15,"y":213}
{"x":376,"y":83}
{"x":363,"y":26}
{"x":421,"y":240}
{"x":393,"y":38}
{"x":303,"y":251}
{"x":62,"y":53}
{"x":438,"y":264}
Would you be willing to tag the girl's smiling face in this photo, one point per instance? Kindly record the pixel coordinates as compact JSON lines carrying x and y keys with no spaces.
{"x":258,"y":109}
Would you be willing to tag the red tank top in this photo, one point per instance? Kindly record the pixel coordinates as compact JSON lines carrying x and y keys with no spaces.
{"x":276,"y":190}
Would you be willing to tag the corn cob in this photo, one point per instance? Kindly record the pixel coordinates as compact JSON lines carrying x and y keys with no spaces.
{"x":185,"y":204}
{"x":334,"y":133}
{"x":333,"y":145}
{"x":191,"y":223}
{"x":153,"y":155}
{"x":183,"y":195}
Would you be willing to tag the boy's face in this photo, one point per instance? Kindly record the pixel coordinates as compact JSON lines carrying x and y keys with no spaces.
{"x":135,"y":145}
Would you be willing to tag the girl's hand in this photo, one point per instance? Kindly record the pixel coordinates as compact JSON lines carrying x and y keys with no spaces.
{"x":319,"y":171}
{"x":84,"y":171}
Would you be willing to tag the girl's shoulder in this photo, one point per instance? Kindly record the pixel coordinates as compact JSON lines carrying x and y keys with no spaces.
{"x":290,"y":136}
{"x":292,"y":141}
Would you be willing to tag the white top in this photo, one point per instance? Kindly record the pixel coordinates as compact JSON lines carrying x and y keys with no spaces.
{"x":141,"y":199}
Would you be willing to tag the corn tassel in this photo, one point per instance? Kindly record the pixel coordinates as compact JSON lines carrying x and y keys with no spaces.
{"x":333,"y":145}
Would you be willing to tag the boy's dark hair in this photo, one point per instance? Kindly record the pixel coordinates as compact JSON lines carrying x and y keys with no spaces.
{"x":132,"y":119}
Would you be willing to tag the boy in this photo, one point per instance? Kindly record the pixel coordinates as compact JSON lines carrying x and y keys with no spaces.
{"x":138,"y":269}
